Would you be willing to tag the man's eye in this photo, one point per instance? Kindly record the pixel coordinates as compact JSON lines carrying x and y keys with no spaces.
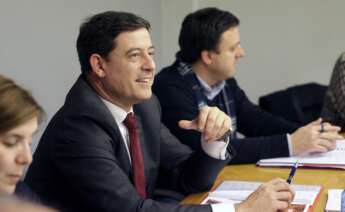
{"x":152,"y":54}
{"x":134,"y":55}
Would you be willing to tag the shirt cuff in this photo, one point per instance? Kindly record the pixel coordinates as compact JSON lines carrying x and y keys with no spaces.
{"x":223,"y":207}
{"x":288,"y":136}
{"x":215,"y":149}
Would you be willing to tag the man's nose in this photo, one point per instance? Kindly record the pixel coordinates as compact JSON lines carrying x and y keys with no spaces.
{"x":241,"y":52}
{"x":149,"y":63}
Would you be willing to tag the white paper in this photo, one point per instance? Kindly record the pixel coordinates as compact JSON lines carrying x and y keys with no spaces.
{"x":238,"y":191}
{"x":332,"y":159}
{"x":334,"y":200}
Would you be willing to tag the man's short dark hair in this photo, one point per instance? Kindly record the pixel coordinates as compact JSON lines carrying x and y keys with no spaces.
{"x":202,"y":30}
{"x":97,"y":34}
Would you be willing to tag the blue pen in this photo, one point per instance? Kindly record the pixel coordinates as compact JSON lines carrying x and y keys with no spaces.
{"x":322,"y":127}
{"x":292,"y":172}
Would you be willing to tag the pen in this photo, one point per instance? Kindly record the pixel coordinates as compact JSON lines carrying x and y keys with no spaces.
{"x":322,"y":127}
{"x":292,"y":172}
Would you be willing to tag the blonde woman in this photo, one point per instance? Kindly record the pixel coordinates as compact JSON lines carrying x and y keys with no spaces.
{"x":19,"y":118}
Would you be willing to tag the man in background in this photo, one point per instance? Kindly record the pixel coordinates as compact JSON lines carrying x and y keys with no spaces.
{"x":203,"y":74}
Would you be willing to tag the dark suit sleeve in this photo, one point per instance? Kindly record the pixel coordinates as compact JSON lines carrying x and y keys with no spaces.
{"x":265,"y":132}
{"x":84,"y":155}
{"x":252,"y":120}
{"x":177,"y":100}
{"x":194,"y":171}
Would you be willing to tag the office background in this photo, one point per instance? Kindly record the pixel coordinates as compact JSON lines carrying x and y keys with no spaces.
{"x":286,"y":42}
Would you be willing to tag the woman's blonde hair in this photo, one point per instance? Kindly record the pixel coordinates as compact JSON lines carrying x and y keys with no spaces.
{"x":16,"y":105}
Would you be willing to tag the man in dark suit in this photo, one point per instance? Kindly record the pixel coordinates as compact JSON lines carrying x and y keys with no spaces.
{"x":92,"y":157}
{"x":203,"y":74}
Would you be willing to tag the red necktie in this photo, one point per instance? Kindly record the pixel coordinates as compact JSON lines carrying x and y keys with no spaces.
{"x":136,"y":155}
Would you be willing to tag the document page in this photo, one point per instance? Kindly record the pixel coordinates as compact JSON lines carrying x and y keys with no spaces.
{"x":238,"y":191}
{"x":332,"y":159}
{"x":334,"y":200}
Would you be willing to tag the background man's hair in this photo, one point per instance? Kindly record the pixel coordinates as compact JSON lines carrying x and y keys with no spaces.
{"x":202,"y":30}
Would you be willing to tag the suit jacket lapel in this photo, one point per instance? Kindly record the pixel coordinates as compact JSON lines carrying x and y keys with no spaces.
{"x":121,"y":144}
{"x":83,"y":92}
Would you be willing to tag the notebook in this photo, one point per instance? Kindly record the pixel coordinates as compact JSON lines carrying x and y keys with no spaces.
{"x":237,"y":191}
{"x":332,"y":159}
{"x":334,"y":200}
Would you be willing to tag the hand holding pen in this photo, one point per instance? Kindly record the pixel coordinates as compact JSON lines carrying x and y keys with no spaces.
{"x":315,"y":137}
{"x":292,"y":173}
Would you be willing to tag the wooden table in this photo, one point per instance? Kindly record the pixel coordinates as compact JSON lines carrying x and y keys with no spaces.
{"x":328,"y":178}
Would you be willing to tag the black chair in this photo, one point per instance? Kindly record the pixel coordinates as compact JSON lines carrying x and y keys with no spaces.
{"x":300,"y":104}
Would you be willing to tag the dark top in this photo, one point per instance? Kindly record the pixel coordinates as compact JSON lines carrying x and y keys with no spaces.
{"x":334,"y":103}
{"x":265,"y":133}
{"x":25,"y":193}
{"x":81,"y":163}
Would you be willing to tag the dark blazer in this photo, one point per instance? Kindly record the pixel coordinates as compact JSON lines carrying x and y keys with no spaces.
{"x":81,"y":163}
{"x":265,"y":133}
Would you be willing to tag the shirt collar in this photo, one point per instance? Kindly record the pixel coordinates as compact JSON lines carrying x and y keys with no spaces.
{"x":118,"y":113}
{"x":209,"y":91}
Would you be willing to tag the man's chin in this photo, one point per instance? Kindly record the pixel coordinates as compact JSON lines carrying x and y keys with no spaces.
{"x":231,"y":75}
{"x":144,"y":96}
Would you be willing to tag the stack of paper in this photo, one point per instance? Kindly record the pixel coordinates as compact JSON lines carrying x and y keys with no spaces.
{"x":334,"y":200}
{"x":237,"y":191}
{"x":332,"y":159}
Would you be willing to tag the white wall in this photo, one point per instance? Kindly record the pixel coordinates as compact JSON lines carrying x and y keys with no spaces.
{"x":37,"y":45}
{"x":286,"y":42}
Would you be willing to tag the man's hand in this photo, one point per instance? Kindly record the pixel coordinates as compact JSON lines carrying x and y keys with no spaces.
{"x":310,"y":139}
{"x":269,"y":197}
{"x":211,"y":122}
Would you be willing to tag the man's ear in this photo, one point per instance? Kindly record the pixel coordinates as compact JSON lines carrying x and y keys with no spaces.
{"x":96,"y":62}
{"x":206,"y":57}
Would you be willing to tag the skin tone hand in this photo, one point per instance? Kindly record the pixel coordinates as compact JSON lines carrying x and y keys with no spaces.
{"x":272,"y":196}
{"x":309,"y":139}
{"x":211,"y":122}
